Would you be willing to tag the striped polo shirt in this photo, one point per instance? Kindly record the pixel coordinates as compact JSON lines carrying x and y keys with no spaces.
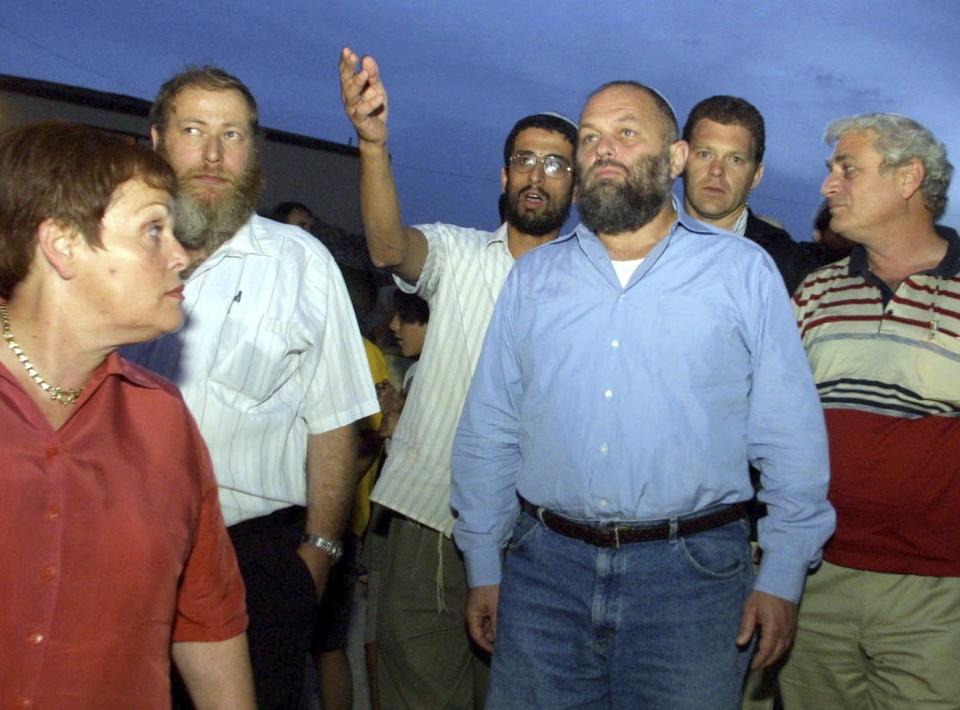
{"x":887,"y":367}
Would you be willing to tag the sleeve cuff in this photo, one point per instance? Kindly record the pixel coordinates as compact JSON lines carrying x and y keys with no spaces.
{"x":783,"y":577}
{"x":483,"y":566}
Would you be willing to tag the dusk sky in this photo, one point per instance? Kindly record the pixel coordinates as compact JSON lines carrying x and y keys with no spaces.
{"x":460,"y":73}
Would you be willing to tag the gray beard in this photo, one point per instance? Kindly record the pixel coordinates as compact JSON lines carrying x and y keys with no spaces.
{"x":612,"y":208}
{"x":202,"y":226}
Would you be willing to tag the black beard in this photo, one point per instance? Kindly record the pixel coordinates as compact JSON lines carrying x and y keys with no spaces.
{"x":537,"y":225}
{"x":614,"y":208}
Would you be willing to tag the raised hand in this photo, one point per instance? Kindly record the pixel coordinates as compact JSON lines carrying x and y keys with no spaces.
{"x":364,"y":96}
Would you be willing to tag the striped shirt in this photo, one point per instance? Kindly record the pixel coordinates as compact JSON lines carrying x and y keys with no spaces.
{"x":887,"y":366}
{"x":461,"y":279}
{"x":269,"y":353}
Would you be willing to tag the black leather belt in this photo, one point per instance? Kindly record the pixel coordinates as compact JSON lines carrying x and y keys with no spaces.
{"x":612,"y":535}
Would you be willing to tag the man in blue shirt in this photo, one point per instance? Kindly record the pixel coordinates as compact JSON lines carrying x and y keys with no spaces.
{"x":630,"y":373}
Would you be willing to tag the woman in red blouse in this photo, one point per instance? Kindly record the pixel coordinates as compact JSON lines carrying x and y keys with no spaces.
{"x":111,"y":541}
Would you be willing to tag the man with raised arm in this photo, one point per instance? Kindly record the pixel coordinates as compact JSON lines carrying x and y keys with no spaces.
{"x":426,"y":659}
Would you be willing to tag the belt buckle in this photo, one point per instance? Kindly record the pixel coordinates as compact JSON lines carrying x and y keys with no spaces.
{"x":616,"y":537}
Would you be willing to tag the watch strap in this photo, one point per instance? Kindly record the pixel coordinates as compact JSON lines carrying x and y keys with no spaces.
{"x":334,"y":548}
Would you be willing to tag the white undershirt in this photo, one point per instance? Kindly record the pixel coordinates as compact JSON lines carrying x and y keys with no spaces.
{"x":625,"y":269}
{"x":740,"y":226}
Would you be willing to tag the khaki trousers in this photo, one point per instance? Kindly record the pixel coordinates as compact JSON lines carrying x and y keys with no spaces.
{"x":868,"y":640}
{"x":425,"y":659}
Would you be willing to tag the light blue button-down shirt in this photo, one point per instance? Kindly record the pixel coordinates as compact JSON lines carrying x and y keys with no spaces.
{"x":646,"y":402}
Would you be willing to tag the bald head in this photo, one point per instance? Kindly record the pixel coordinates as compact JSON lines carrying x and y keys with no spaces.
{"x":668,"y":119}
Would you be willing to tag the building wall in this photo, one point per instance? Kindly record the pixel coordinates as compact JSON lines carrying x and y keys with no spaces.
{"x":320,"y":174}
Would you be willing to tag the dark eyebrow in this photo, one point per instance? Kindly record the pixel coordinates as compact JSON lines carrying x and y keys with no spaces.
{"x":841,"y":158}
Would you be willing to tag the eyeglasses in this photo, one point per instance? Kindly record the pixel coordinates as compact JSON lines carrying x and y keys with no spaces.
{"x":553,"y":165}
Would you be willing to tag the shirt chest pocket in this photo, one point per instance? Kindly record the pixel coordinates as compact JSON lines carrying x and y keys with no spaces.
{"x":256,"y":355}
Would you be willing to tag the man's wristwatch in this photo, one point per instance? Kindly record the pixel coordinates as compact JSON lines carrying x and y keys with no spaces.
{"x":334,"y":548}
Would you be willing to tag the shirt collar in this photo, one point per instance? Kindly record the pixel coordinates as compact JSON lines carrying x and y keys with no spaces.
{"x":115,"y":364}
{"x":949,"y":265}
{"x":582,"y":232}
{"x":591,"y":245}
{"x":499,"y":235}
{"x":691,"y":223}
{"x":244,"y":242}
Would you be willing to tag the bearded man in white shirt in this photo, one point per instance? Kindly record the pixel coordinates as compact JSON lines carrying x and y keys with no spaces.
{"x":425,"y":657}
{"x":270,"y":363}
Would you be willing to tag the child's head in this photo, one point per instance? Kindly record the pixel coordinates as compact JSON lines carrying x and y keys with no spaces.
{"x":409,"y":322}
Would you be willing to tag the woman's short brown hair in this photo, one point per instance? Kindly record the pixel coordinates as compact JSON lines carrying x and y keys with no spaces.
{"x":65,"y":172}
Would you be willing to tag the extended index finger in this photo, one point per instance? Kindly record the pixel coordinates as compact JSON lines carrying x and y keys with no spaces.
{"x":348,"y":63}
{"x":352,"y":77}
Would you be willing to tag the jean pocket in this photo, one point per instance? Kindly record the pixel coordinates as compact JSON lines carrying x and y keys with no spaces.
{"x":522,"y":529}
{"x":720,"y":553}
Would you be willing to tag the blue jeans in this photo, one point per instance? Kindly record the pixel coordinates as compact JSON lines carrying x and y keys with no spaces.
{"x":651,"y":625}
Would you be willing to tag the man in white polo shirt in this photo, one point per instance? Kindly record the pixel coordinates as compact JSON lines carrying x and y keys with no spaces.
{"x":425,"y":654}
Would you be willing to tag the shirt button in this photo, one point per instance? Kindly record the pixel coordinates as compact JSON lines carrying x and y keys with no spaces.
{"x":25,"y":703}
{"x":53,"y":511}
{"x":48,"y":573}
{"x":36,"y":639}
{"x":603,"y":502}
{"x":608,"y":394}
{"x":52,"y":452}
{"x":614,"y":343}
{"x":604,"y":448}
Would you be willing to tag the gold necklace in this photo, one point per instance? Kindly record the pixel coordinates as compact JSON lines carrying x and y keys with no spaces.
{"x":57,"y":394}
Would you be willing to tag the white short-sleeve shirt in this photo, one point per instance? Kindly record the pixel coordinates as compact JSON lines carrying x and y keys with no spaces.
{"x":269,"y":353}
{"x":461,"y":279}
